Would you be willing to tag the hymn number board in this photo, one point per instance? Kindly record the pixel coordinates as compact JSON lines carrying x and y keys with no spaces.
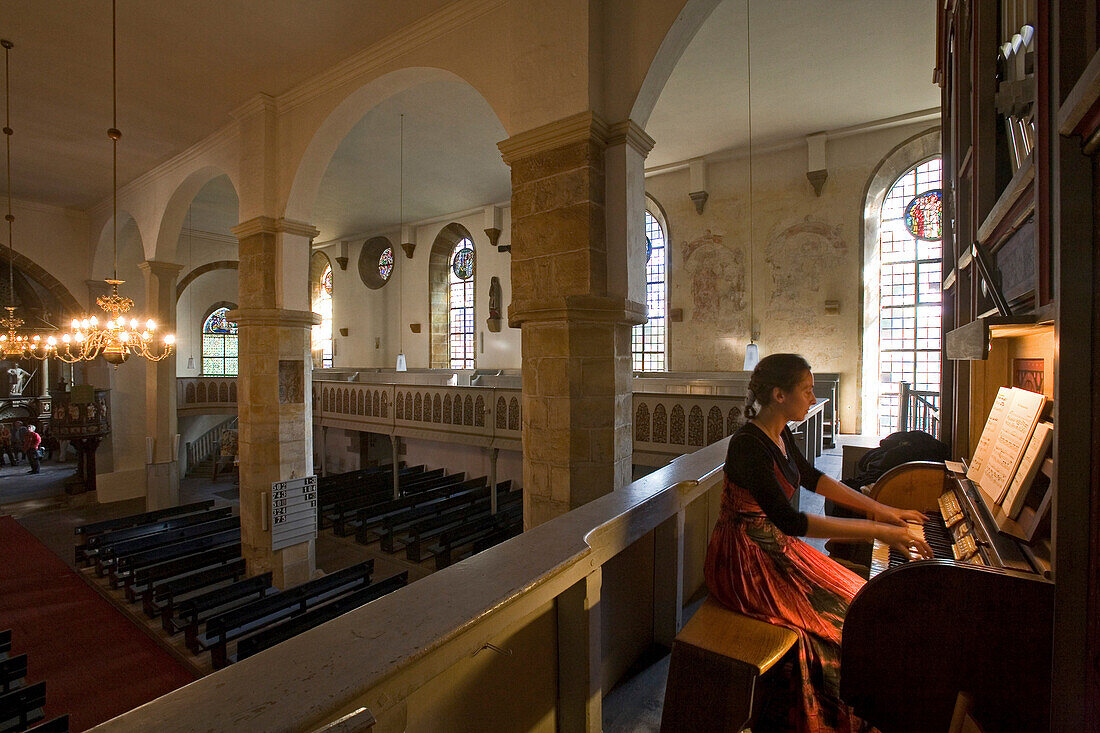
{"x":293,"y":512}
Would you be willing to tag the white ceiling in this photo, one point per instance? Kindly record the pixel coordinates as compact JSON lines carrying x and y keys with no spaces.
{"x":819,"y":65}
{"x":184,"y":65}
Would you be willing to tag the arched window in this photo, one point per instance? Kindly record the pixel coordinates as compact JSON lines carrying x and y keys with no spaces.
{"x":322,"y":305}
{"x":649,"y":340}
{"x":219,"y":345}
{"x":462,"y":304}
{"x":910,"y":277}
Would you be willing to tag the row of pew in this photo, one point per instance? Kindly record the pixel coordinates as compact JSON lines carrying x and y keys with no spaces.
{"x":183,"y":564}
{"x":434,"y":515}
{"x":22,"y":706}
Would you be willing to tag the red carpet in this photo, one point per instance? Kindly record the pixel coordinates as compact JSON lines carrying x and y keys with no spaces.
{"x":96,"y":663}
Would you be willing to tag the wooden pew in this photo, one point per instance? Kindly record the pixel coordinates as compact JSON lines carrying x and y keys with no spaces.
{"x":160,"y":597}
{"x":375,"y":489}
{"x":231,"y":625}
{"x":462,"y":542}
{"x":107,"y":525}
{"x":5,"y":643}
{"x":273,"y":635}
{"x":123,"y":571}
{"x":13,"y":670}
{"x":396,"y":528}
{"x":369,"y":520}
{"x":60,"y":724}
{"x":112,"y":554}
{"x":717,"y":660}
{"x":22,"y":706}
{"x":479,"y":516}
{"x":144,"y":577}
{"x":190,"y":614}
{"x":94,"y":545}
{"x":378,"y":484}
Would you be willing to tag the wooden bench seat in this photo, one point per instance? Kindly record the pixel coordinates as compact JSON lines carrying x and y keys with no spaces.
{"x":22,"y":706}
{"x":162,"y":596}
{"x":12,"y":672}
{"x":123,"y":571}
{"x":112,"y":554}
{"x":97,"y":544}
{"x":5,"y":643}
{"x":190,"y":614}
{"x":144,"y":518}
{"x":145,"y":577}
{"x":290,"y":628}
{"x":458,"y":543}
{"x":717,"y":659}
{"x":60,"y":724}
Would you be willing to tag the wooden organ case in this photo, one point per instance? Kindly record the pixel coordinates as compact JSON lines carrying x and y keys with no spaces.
{"x":1009,"y":611}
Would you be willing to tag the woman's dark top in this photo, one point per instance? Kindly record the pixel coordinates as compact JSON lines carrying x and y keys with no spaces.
{"x":750,"y":464}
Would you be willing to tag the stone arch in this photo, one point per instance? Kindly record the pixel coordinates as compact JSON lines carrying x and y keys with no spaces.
{"x":70,"y":306}
{"x":502,"y":414}
{"x":734,"y":420}
{"x":447,"y":409}
{"x":174,"y":214}
{"x":374,"y":404}
{"x":714,"y":425}
{"x":513,"y":414}
{"x":202,"y":270}
{"x":660,"y":424}
{"x":399,"y":407}
{"x":439,"y":267}
{"x":468,"y":411}
{"x":906,"y":154}
{"x":695,"y":426}
{"x":479,"y":412}
{"x":676,"y":425}
{"x":417,"y":404}
{"x":437,"y":409}
{"x":336,"y":126}
{"x":641,"y":423}
{"x":385,"y":405}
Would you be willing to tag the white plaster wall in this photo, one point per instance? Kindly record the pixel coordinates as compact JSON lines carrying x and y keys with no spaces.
{"x":378,"y":320}
{"x":806,"y":250}
{"x":454,"y":457}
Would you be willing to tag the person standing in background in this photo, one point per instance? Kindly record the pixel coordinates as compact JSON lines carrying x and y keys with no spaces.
{"x":30,"y":448}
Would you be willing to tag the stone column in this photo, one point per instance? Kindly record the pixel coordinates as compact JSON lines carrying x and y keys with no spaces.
{"x":576,"y":327}
{"x":274,"y":376}
{"x":162,"y":475}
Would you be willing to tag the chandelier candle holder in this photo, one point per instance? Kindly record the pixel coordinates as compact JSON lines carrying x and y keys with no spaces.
{"x":118,"y":337}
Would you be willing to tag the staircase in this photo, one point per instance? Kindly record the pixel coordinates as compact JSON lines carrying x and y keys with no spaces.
{"x":202,"y":452}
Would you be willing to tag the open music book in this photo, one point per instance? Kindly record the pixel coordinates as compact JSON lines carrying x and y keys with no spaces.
{"x":1029,"y":466}
{"x":1004,"y":440}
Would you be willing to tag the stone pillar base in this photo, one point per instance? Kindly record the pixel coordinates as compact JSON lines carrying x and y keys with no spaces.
{"x":162,"y":485}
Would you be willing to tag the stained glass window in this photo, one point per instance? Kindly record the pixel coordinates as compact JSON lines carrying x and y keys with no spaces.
{"x":648,"y":340}
{"x":219,"y":345}
{"x":385,"y":263}
{"x":910,"y":276}
{"x":462,"y":332}
{"x":322,"y":305}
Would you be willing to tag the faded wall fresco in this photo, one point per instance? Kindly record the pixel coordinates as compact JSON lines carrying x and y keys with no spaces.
{"x":807,"y":250}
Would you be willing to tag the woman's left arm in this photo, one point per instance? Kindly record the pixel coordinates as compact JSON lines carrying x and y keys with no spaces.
{"x":830,"y":488}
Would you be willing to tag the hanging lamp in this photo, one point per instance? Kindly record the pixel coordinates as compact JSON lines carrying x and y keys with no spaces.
{"x":752,"y":351}
{"x":122,"y":334}
{"x":16,"y":342}
{"x":401,"y":366}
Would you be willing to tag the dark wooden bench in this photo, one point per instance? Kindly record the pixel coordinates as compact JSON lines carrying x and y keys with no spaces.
{"x":145,"y":577}
{"x":369,"y":520}
{"x":22,"y":706}
{"x":107,"y":525}
{"x":461,"y":542}
{"x":422,"y":538}
{"x":231,"y":625}
{"x":59,"y":724}
{"x":717,"y":660}
{"x":5,"y":643}
{"x":396,"y":528}
{"x":376,"y":484}
{"x":111,"y":554}
{"x":375,"y":489}
{"x":12,"y":672}
{"x":160,"y":597}
{"x":124,"y":568}
{"x":290,"y":628}
{"x":190,"y":614}
{"x":95,"y":544}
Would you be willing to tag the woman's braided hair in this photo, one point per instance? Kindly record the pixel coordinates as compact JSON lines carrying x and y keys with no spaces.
{"x":776,"y":370}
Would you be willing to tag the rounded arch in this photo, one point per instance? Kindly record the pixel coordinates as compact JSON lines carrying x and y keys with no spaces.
{"x":439,"y":296}
{"x":218,"y":305}
{"x":70,"y":306}
{"x":202,"y":270}
{"x":338,"y":123}
{"x":175,"y":210}
{"x":901,"y":158}
{"x":321,"y":301}
{"x":675,"y":42}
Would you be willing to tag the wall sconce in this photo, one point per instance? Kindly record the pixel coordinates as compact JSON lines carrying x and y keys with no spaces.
{"x":414,"y":327}
{"x":832,"y":307}
{"x":343,"y":332}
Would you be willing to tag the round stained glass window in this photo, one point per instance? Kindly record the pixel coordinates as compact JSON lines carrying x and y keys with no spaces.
{"x":648,"y":248}
{"x":463,"y":263}
{"x":385,"y":263}
{"x":924,"y":215}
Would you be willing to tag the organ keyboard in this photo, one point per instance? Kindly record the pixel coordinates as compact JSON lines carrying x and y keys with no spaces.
{"x":975,"y":618}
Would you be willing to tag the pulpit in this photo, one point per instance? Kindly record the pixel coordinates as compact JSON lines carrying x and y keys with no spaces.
{"x":81,"y":416}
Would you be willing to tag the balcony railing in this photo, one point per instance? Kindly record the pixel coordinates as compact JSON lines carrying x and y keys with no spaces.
{"x":210,"y":395}
{"x":578,"y":600}
{"x":918,"y":410}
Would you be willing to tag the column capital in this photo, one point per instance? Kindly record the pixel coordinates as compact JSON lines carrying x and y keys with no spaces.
{"x":588,"y":308}
{"x":257,"y":104}
{"x":629,"y":132}
{"x":581,"y":127}
{"x":268,"y":225}
{"x":160,"y":268}
{"x":273,"y":317}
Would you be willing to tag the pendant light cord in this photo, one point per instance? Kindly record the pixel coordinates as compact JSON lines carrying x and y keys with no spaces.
{"x":8,"y":45}
{"x":401,"y":236}
{"x":114,"y":134}
{"x":748,"y":68}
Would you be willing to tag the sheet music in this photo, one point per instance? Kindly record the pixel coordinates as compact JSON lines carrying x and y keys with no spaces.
{"x":1029,"y":466}
{"x":1017,"y":424}
{"x":989,"y":434}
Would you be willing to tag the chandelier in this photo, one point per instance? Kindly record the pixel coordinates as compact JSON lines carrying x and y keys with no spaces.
{"x":15,"y":343}
{"x":120,"y":336}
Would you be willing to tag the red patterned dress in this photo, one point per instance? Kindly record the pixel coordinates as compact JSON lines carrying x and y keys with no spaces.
{"x":756,"y":565}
